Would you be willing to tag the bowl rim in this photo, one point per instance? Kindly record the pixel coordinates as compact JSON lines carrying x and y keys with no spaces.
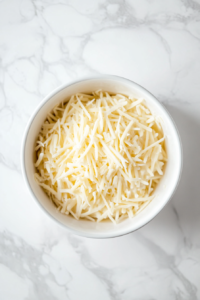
{"x":53,"y":93}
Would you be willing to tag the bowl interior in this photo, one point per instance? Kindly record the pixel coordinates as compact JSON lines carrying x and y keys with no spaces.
{"x":163,"y":191}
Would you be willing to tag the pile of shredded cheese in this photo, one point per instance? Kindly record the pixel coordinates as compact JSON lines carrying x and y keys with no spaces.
{"x":100,"y":156}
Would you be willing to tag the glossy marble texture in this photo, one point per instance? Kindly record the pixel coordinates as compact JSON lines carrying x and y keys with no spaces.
{"x":46,"y":43}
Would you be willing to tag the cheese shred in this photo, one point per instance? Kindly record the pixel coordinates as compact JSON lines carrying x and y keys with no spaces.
{"x":100,"y":156}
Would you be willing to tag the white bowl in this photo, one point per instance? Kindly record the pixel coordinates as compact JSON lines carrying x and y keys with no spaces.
{"x":162,"y":193}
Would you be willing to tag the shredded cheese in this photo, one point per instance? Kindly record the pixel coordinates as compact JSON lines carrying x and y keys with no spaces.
{"x":100,"y":156}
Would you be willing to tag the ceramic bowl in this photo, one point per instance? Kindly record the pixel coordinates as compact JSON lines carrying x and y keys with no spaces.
{"x":164,"y":190}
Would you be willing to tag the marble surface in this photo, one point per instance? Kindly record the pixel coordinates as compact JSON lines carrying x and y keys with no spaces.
{"x":46,"y":43}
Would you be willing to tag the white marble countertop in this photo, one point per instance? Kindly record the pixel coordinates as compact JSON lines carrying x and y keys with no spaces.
{"x":45,"y":43}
